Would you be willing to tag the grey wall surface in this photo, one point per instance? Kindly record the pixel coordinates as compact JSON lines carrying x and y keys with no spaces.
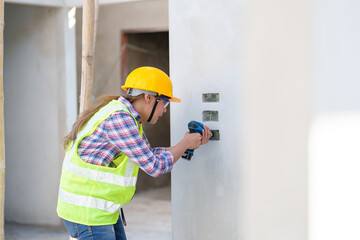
{"x":35,"y":112}
{"x":205,"y":57}
{"x":252,"y":184}
{"x":337,"y":33}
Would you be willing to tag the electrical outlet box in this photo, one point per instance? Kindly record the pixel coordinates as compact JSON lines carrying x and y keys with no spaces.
{"x":210,"y":97}
{"x":215,"y":136}
{"x":210,"y":116}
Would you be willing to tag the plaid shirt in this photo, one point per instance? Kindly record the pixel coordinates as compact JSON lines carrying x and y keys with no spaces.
{"x":119,"y":134}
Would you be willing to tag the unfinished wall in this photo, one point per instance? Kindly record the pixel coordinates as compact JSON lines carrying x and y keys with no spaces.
{"x":252,"y":184}
{"x":205,"y":57}
{"x":36,"y":110}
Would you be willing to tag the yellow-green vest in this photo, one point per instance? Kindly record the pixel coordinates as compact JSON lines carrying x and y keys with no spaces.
{"x":90,"y":194}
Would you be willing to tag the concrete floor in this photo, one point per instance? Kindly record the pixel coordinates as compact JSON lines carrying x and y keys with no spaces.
{"x":148,"y":216}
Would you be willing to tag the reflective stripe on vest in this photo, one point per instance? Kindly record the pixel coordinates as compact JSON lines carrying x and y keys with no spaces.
{"x":87,"y":201}
{"x":79,"y":180}
{"x":127,"y":180}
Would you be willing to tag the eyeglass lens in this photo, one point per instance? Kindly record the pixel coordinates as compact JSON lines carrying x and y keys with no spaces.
{"x":167,"y":102}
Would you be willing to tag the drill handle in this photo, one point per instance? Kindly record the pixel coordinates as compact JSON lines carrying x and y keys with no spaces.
{"x":188,"y":154}
{"x":194,"y":127}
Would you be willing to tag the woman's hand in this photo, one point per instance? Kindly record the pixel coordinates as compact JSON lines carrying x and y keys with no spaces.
{"x":190,"y":141}
{"x":193,"y":140}
{"x":206,"y":135}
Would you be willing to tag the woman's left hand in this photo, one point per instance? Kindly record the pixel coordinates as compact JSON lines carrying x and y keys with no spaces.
{"x":206,"y":134}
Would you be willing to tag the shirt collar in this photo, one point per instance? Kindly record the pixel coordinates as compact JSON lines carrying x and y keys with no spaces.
{"x":130,"y":107}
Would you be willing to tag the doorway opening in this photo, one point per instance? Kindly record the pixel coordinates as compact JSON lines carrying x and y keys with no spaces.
{"x":149,"y":49}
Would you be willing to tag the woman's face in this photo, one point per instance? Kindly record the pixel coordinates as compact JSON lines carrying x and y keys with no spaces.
{"x":160,"y":108}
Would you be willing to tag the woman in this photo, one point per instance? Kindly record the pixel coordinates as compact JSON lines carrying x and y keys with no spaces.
{"x":105,"y":150}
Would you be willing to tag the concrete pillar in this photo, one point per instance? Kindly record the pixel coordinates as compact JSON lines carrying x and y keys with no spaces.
{"x":252,"y":184}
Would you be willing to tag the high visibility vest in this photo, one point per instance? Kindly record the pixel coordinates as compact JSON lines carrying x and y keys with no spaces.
{"x":91,"y":194}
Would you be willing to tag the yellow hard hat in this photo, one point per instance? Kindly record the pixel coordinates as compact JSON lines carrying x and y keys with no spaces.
{"x":150,"y":79}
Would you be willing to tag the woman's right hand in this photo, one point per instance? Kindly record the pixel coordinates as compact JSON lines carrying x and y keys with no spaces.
{"x":190,"y":141}
{"x":193,"y":140}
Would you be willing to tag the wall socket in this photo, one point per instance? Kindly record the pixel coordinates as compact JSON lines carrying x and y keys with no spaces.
{"x":215,"y":136}
{"x":210,"y":97}
{"x":210,"y":116}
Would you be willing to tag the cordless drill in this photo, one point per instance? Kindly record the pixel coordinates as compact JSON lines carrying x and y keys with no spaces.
{"x":194,"y":127}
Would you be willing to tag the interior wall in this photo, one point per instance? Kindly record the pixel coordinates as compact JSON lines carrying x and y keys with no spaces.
{"x":35,"y":111}
{"x":252,"y":184}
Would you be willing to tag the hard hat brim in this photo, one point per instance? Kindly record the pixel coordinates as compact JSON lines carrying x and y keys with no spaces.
{"x":175,"y":99}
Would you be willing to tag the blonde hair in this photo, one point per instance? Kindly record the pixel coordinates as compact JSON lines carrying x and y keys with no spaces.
{"x":88,"y":113}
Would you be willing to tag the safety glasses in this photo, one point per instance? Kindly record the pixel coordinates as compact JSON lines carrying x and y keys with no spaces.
{"x":165,"y":100}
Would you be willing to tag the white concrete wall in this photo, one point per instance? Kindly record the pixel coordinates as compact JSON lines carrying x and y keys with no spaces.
{"x":252,"y":184}
{"x":205,"y":56}
{"x":334,"y":159}
{"x":35,"y":109}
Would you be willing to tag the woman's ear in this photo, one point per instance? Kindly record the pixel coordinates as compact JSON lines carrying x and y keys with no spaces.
{"x":147,"y":98}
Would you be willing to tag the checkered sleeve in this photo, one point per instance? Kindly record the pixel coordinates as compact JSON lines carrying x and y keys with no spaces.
{"x":124,"y":134}
{"x":156,"y":150}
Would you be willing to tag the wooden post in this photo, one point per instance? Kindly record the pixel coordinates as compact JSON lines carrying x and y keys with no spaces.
{"x":88,"y":51}
{"x":2,"y":136}
{"x":90,"y":15}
